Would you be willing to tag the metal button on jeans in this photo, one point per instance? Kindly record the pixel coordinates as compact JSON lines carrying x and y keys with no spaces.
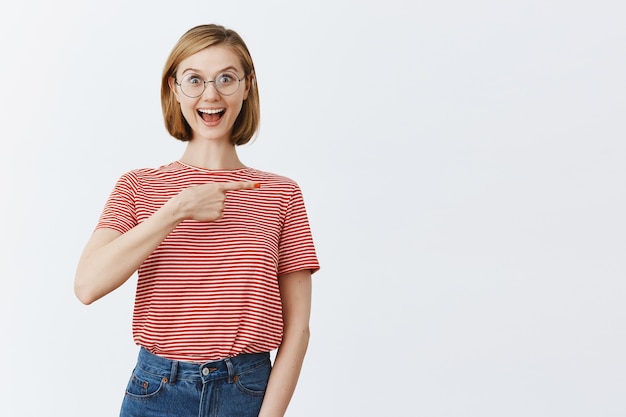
{"x":205,"y":371}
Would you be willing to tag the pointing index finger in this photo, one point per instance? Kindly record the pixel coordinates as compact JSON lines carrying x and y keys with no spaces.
{"x":240,"y":185}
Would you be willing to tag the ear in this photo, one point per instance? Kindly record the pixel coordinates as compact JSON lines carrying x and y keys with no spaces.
{"x":172,"y":83}
{"x":250,"y":80}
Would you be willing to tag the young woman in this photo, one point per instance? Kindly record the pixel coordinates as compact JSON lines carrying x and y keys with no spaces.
{"x":224,"y":252}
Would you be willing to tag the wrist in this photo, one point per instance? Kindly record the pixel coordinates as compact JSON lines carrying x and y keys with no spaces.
{"x":174,"y":208}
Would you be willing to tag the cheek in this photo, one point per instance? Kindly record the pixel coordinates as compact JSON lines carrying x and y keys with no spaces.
{"x":188,"y":114}
{"x":237,"y":109}
{"x":187,"y":111}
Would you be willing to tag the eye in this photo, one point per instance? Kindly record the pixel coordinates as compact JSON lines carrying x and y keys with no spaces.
{"x":225,"y":78}
{"x":192,"y":80}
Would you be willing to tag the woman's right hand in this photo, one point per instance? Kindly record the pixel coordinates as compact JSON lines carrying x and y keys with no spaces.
{"x":206,"y":202}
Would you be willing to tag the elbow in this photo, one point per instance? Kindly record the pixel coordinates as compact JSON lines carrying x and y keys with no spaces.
{"x":84,"y":294}
{"x":297,"y":333}
{"x":300,"y":335}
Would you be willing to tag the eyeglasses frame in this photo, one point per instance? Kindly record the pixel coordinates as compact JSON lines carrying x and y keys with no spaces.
{"x":213,"y":81}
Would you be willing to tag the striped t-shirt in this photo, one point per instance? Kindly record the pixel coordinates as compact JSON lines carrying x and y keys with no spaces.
{"x":210,"y":289}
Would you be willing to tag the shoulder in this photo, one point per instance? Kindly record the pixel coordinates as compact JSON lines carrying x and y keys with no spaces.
{"x":273,"y":179}
{"x":139,"y":178}
{"x":140,"y":173}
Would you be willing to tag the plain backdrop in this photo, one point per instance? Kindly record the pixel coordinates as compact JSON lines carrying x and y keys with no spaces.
{"x":462,"y":165}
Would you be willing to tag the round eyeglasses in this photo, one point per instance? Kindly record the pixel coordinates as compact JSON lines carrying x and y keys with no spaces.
{"x":226,"y":83}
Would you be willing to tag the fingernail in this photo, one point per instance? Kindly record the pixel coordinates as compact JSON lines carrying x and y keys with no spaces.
{"x":257,"y":185}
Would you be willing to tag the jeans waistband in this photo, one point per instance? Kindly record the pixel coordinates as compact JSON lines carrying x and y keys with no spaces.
{"x":177,"y":370}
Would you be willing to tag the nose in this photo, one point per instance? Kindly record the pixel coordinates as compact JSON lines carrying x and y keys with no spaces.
{"x":210,"y":92}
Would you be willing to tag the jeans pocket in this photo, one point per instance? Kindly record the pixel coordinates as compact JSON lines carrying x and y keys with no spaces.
{"x":143,"y":384}
{"x":253,"y":381}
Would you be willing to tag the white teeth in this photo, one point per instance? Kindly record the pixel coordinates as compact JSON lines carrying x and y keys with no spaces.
{"x":211,"y":111}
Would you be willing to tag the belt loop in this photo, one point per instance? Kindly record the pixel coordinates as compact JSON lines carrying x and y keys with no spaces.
{"x":174,"y":372}
{"x":231,"y":370}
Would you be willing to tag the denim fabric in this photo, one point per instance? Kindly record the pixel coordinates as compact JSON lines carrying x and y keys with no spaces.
{"x":232,"y":387}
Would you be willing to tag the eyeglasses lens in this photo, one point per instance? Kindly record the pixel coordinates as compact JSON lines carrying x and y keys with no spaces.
{"x":226,"y":83}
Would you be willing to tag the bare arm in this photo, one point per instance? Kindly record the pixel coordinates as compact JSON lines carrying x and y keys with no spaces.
{"x":295,"y":291}
{"x":110,"y":258}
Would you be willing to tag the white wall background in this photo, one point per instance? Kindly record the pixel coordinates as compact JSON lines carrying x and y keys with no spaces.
{"x":463,"y":166}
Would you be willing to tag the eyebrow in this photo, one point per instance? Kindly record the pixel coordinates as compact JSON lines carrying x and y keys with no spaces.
{"x":229,"y":68}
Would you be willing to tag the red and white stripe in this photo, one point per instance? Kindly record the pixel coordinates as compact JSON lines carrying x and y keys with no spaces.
{"x":210,"y":290}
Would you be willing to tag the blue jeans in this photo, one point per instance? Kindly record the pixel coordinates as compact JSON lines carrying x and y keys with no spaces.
{"x":231,"y":387}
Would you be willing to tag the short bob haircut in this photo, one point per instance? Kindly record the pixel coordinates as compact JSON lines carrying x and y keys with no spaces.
{"x":195,"y":40}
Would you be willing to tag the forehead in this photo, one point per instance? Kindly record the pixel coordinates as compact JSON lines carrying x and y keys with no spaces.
{"x":212,"y":59}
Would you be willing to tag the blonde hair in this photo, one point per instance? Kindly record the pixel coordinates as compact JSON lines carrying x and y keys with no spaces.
{"x":195,"y":40}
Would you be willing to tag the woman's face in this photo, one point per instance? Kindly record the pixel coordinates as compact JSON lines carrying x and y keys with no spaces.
{"x":212,"y":114}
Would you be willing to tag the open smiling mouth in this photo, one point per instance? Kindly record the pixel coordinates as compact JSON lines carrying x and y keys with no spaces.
{"x":211,"y":115}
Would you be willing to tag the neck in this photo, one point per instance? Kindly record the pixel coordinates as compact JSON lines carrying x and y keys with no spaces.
{"x":211,"y":155}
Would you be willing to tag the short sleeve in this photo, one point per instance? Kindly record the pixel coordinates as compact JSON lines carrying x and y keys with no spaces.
{"x":296,"y":250}
{"x":119,"y":211}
